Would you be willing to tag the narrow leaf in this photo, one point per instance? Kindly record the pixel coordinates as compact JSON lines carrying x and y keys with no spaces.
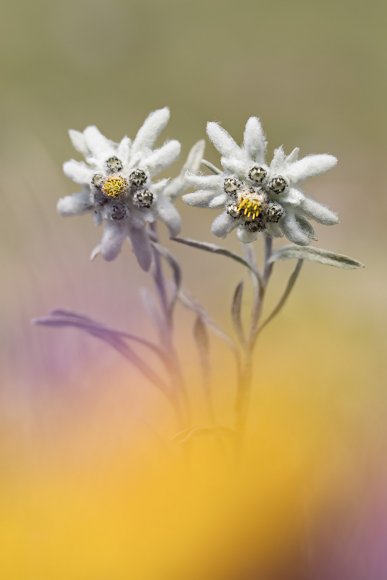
{"x":281,"y":303}
{"x":61,"y":318}
{"x":189,"y":302}
{"x":152,"y":309}
{"x":315,"y":255}
{"x":176,"y":271}
{"x":214,"y":249}
{"x":70,"y":314}
{"x":192,"y":304}
{"x":236,"y":312}
{"x":114,"y":341}
{"x":201,"y":337}
{"x":203,"y":346}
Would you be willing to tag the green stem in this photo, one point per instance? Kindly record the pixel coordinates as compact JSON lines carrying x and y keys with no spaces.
{"x":245,"y":381}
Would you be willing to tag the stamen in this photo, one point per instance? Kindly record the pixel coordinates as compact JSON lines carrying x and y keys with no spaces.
{"x":232,"y":210}
{"x":250,"y":208}
{"x":114,"y":186}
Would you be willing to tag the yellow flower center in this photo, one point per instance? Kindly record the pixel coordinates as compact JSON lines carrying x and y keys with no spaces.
{"x":249,"y":207}
{"x":114,"y":186}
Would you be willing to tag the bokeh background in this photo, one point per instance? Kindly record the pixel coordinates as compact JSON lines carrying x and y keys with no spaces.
{"x":91,"y":488}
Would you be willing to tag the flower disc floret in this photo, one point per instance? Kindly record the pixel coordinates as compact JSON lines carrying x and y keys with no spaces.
{"x":137,"y":178}
{"x":257,"y":174}
{"x":114,"y":186}
{"x":113,"y":164}
{"x":232,"y":210}
{"x":278,"y":184}
{"x":118,"y":211}
{"x":143,"y":198}
{"x":250,"y":205}
{"x":231,"y":185}
{"x":97,"y":180}
{"x":251,"y":208}
{"x":274,"y":212}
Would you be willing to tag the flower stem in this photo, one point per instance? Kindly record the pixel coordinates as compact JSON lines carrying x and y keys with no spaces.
{"x":245,"y":379}
{"x":177,"y":379}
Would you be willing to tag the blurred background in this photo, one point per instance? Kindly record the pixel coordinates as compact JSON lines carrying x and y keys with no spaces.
{"x":90,"y":489}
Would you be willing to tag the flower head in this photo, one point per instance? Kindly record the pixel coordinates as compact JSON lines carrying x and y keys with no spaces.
{"x":256,"y":196}
{"x":118,"y":185}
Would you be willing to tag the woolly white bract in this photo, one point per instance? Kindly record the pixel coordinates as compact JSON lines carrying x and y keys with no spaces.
{"x":118,"y":185}
{"x":257,"y":196}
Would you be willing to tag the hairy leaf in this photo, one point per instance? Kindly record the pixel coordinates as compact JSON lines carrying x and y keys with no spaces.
{"x":315,"y":255}
{"x":111,"y":337}
{"x":236,"y":312}
{"x":201,"y":337}
{"x":176,"y":271}
{"x":282,"y":301}
{"x":214,"y":249}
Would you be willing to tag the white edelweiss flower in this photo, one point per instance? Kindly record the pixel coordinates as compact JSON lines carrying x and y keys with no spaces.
{"x":118,"y":186}
{"x":257,"y":196}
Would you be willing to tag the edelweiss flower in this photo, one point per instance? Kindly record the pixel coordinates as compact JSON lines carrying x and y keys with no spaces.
{"x":259,"y":197}
{"x":118,"y":185}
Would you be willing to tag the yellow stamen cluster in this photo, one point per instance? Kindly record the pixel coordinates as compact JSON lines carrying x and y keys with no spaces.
{"x":249,"y":208}
{"x":114,"y":186}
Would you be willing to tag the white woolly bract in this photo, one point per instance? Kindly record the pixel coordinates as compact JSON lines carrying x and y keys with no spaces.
{"x":179,"y":184}
{"x":309,"y":166}
{"x":205,"y":181}
{"x":77,"y":171}
{"x":161,"y":158}
{"x":168,"y":214}
{"x":293,"y":231}
{"x":254,"y":141}
{"x":223,"y":141}
{"x":319,"y":212}
{"x":245,"y":236}
{"x":113,"y":237}
{"x":279,"y":159}
{"x":222,"y":225}
{"x":141,"y":246}
{"x":218,"y":201}
{"x":153,"y":125}
{"x":235,"y":166}
{"x":74,"y":204}
{"x":79,"y":143}
{"x":200,"y":198}
{"x":98,"y":145}
{"x":123,"y":149}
